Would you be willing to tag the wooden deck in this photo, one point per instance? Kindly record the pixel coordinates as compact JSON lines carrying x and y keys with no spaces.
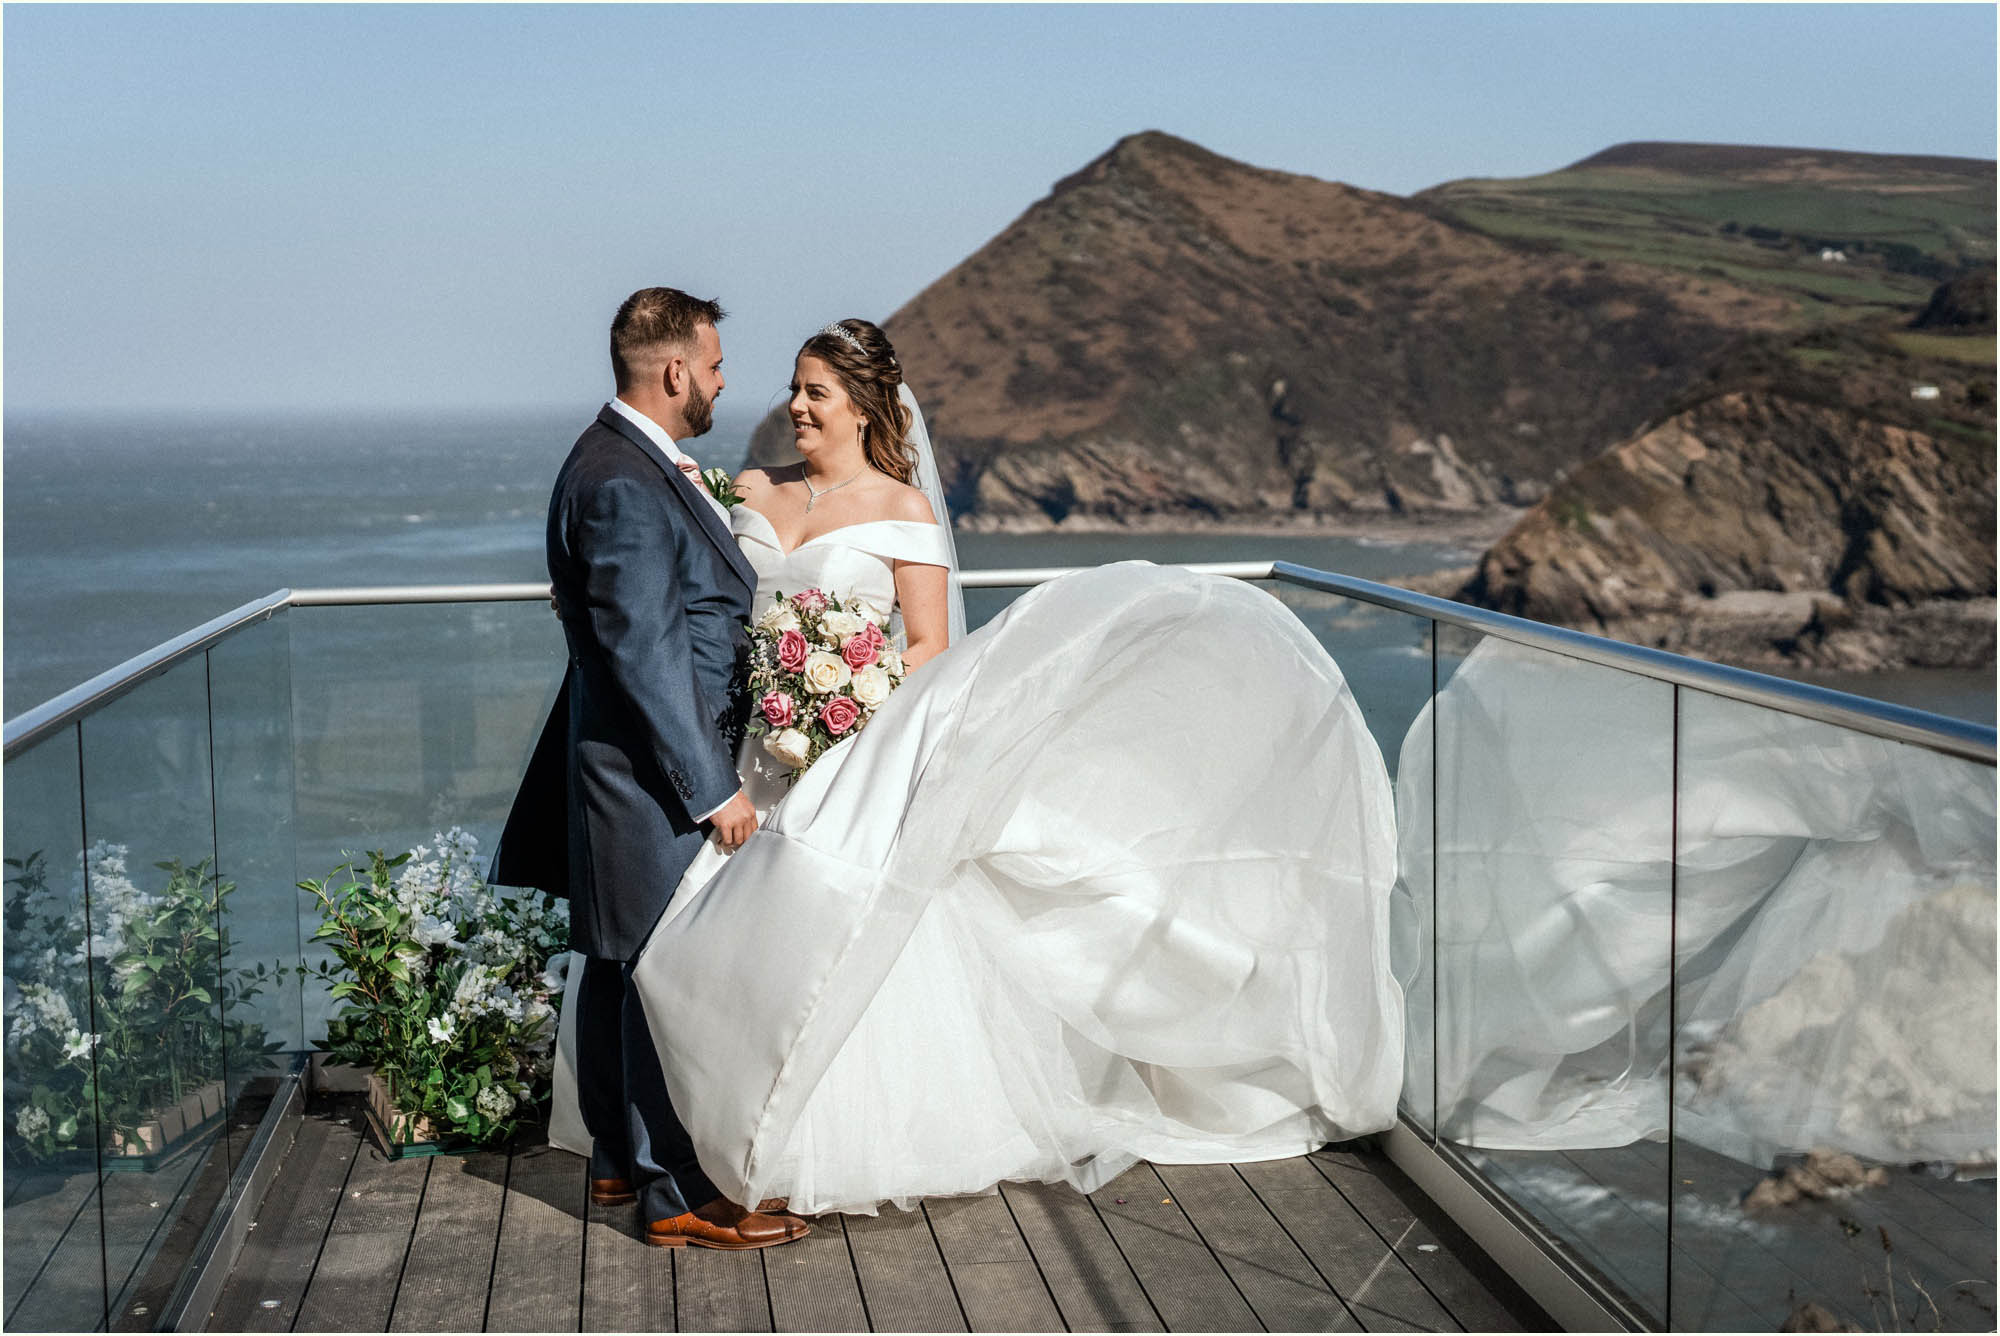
{"x":348,"y":1240}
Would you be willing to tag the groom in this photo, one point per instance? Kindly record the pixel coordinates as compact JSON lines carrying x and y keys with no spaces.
{"x":653,"y":595}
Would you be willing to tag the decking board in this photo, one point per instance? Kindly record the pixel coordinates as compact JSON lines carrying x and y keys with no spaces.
{"x":349,"y":1240}
{"x":449,"y":1271}
{"x":1187,"y":1285}
{"x":361,"y":1262}
{"x":1093,"y":1285}
{"x":268,"y":1284}
{"x":903,"y":1277}
{"x":538,"y":1267}
{"x":627,"y":1284}
{"x":1378,"y":1289}
{"x":999,"y":1286}
{"x":1274,"y":1276}
{"x":812,"y":1282}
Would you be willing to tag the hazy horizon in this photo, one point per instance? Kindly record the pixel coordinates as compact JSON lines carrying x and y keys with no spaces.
{"x":396,"y":208}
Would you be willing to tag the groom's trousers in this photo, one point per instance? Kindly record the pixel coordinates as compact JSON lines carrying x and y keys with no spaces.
{"x":622,"y":1095}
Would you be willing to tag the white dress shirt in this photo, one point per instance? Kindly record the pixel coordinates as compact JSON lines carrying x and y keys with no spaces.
{"x":657,"y":434}
{"x":675,"y":455}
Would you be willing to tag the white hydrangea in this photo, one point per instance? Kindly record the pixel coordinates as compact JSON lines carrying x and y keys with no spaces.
{"x":31,"y":1122}
{"x":42,"y":1008}
{"x":429,"y":931}
{"x":471,"y":996}
{"x":494,"y":1102}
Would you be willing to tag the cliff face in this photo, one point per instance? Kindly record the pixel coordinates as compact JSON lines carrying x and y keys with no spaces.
{"x":1171,"y":335}
{"x":1776,"y":520}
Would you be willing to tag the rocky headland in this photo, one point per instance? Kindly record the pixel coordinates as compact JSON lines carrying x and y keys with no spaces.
{"x":1689,"y":429}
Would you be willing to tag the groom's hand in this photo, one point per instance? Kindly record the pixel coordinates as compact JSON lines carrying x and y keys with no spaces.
{"x":734,"y":823}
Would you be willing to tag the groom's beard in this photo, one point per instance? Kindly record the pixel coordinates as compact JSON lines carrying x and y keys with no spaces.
{"x":699,"y":415}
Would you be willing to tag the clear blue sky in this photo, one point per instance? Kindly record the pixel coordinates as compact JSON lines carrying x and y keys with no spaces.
{"x":390,"y":206}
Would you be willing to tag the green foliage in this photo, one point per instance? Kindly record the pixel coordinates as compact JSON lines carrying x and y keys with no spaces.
{"x":171,"y":1015}
{"x":447,"y":985}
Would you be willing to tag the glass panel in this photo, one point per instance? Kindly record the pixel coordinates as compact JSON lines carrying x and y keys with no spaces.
{"x":149,"y":820}
{"x":410,"y":720}
{"x":250,"y":688}
{"x":53,"y":1255}
{"x":1553,"y":862}
{"x":1834,"y":988}
{"x":1386,"y":658}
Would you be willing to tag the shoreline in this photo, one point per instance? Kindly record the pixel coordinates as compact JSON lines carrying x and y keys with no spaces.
{"x":1454,"y":529}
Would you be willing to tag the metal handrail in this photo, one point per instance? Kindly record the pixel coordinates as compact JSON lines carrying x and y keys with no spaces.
{"x":25,"y":730}
{"x":1898,"y":723}
{"x":1956,"y":737}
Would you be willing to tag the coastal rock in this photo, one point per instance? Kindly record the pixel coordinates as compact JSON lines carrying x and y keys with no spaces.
{"x":1825,"y":534}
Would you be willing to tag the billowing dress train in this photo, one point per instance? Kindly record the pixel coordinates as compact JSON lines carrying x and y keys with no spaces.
{"x":1107,"y":880}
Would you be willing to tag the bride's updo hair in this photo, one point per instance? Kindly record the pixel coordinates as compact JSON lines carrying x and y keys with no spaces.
{"x":859,"y":355}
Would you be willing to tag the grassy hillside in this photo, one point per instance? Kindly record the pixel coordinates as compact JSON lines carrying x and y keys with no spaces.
{"x":1758,"y":217}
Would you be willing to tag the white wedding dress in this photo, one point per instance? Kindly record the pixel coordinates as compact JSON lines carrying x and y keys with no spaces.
{"x":1107,"y":880}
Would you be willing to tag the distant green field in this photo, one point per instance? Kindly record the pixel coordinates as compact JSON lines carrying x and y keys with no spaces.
{"x":1970,"y":349}
{"x":1905,"y":221}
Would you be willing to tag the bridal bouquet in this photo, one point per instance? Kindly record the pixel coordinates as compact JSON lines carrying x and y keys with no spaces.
{"x":820,"y":667}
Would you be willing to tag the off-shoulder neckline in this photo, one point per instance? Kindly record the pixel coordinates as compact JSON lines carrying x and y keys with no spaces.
{"x":779,"y":543}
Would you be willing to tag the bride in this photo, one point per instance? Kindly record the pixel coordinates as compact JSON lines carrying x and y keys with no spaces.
{"x":1105,"y":880}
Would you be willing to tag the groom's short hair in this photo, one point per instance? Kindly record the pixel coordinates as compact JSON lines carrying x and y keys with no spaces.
{"x":654,"y":322}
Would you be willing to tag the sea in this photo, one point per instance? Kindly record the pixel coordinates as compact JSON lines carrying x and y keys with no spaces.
{"x":120,"y":532}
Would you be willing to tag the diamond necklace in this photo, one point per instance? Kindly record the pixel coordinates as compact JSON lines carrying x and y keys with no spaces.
{"x":813,"y":494}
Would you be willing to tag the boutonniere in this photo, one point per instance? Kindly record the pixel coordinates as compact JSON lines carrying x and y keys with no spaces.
{"x":722,"y":487}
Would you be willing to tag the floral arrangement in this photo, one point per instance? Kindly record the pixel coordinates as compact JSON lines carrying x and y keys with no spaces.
{"x":168,"y":1011}
{"x":722,"y":487}
{"x":819,"y":670}
{"x":451,"y":994}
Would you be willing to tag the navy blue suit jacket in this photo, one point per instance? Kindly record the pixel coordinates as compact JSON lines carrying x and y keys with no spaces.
{"x":653,"y":596}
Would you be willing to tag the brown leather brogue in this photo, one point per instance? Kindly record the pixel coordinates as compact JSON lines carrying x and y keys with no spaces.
{"x":612,"y":1192}
{"x":724,"y":1224}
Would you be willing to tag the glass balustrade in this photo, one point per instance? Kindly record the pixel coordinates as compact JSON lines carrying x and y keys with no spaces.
{"x":1670,"y":959}
{"x":408,"y":720}
{"x":54,"y":1270}
{"x":1834,"y":1007}
{"x":1385,"y":656}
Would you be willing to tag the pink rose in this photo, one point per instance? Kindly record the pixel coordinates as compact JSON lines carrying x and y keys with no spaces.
{"x":859,"y":651}
{"x":809,"y":600}
{"x":792,"y":651}
{"x":875,"y":636}
{"x":839,"y":715}
{"x":778,"y":709}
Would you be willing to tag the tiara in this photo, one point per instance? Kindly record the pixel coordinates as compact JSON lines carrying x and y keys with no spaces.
{"x":837,"y":332}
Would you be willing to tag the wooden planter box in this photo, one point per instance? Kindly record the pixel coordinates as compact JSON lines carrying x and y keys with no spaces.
{"x":170,"y":1133}
{"x":404,"y":1134}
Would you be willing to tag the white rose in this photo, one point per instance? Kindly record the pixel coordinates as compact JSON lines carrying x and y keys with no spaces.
{"x":779,"y":617}
{"x":840,"y":625}
{"x":789,"y":746}
{"x":871,"y":685}
{"x":826,"y":673}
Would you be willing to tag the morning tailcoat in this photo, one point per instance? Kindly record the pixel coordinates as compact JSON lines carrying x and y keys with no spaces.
{"x":653,"y":595}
